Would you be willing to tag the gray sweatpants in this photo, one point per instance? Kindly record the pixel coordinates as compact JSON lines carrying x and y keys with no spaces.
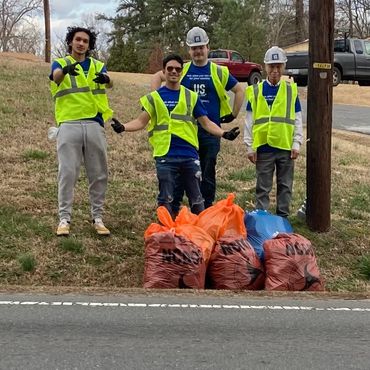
{"x":266,"y":165}
{"x":77,"y":142}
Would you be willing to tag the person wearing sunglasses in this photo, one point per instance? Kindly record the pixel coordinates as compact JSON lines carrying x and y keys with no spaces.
{"x":211,"y":82}
{"x":170,"y":115}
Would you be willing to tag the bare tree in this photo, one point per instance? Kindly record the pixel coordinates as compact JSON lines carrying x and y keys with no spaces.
{"x":299,"y":21}
{"x":12,"y":14}
{"x":353,"y":16}
{"x":29,"y":39}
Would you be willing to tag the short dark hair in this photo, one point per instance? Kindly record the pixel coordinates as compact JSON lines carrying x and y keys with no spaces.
{"x":170,"y":57}
{"x":71,"y":31}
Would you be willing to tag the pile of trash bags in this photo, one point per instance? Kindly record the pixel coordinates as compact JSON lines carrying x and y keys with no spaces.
{"x":226,"y":248}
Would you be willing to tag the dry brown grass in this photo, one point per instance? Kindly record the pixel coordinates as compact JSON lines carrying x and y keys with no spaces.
{"x":28,"y":207}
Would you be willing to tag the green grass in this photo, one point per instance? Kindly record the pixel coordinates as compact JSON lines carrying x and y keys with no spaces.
{"x":27,"y":262}
{"x":364,"y":267}
{"x":35,"y":154}
{"x":71,"y":245}
{"x":28,"y":203}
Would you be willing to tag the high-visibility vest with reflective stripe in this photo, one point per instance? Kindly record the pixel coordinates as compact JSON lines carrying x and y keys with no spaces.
{"x":79,"y":97}
{"x":220,"y":76}
{"x":274,"y":126}
{"x":163,"y":124}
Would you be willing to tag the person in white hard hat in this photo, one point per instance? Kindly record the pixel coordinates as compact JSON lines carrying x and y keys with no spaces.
{"x":273,"y":132}
{"x":211,"y":82}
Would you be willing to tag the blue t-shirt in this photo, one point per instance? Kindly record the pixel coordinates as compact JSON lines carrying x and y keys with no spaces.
{"x":199,"y":80}
{"x":85,"y":66}
{"x":178,"y":146}
{"x":269,"y":92}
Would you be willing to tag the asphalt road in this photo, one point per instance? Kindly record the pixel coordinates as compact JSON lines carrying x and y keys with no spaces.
{"x":347,"y":117}
{"x":182,"y":332}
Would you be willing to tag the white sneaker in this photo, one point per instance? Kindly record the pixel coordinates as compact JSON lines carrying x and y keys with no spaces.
{"x":100,"y":227}
{"x":63,"y":227}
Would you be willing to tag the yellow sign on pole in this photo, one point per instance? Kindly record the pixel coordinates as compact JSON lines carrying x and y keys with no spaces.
{"x":322,"y":65}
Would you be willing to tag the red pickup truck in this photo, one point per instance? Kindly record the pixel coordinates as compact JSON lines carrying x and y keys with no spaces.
{"x":241,"y":69}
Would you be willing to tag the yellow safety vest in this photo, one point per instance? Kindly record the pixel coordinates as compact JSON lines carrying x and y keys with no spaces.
{"x":79,"y":97}
{"x":274,"y":126}
{"x":220,"y":76}
{"x":162,"y":124}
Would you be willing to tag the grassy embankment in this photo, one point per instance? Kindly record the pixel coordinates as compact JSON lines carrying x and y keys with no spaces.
{"x":30,"y":253}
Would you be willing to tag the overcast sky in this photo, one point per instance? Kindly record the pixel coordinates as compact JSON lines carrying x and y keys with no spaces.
{"x":66,"y":13}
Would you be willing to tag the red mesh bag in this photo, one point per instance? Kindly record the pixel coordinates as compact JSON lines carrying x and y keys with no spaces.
{"x":234,"y":263}
{"x":290,"y":264}
{"x":173,"y":261}
{"x":176,"y":252}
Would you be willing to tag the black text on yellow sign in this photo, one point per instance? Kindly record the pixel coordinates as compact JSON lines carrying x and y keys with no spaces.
{"x":322,"y":65}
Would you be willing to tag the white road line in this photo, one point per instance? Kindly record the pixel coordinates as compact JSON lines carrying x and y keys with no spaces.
{"x":183,"y":305}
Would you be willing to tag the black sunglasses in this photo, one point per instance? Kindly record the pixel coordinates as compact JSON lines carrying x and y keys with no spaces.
{"x":171,"y":69}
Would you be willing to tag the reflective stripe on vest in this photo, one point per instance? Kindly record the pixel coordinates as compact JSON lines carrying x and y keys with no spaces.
{"x":273,"y":125}
{"x":181,"y":117}
{"x":219,"y":82}
{"x":78,"y":97}
{"x":287,"y":118}
{"x":163,"y":124}
{"x":74,"y":89}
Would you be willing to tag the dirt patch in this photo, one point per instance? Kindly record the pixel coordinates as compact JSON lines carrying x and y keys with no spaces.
{"x":21,"y":57}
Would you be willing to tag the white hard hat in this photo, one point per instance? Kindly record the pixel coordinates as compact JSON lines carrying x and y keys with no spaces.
{"x":275,"y":55}
{"x":197,"y":37}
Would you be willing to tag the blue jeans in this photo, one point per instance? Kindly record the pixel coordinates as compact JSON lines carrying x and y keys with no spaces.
{"x":173,"y":170}
{"x":208,"y":150}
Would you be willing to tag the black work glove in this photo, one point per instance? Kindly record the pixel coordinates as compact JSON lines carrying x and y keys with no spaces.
{"x":117,"y":126}
{"x":71,"y":69}
{"x":101,"y":78}
{"x":232,"y":134}
{"x":228,"y":118}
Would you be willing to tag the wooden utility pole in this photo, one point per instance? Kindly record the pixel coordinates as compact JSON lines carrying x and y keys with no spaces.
{"x":299,"y":21}
{"x":319,"y":113}
{"x":47,"y":31}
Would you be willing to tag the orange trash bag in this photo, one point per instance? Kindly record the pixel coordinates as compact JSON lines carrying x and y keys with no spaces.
{"x":234,"y":264}
{"x":176,"y":252}
{"x":216,"y":218}
{"x":290,"y":264}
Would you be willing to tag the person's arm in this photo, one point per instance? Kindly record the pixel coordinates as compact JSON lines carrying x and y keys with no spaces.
{"x":59,"y":73}
{"x":210,"y":126}
{"x":103,"y":77}
{"x":297,"y":136}
{"x":58,"y":76}
{"x":135,"y":125}
{"x":238,"y":98}
{"x":248,"y":136}
{"x":215,"y":130}
{"x":156,"y":81}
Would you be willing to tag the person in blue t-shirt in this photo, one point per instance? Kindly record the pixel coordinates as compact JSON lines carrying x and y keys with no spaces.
{"x":272,"y":134}
{"x":171,"y":112}
{"x":198,"y":78}
{"x":78,"y":84}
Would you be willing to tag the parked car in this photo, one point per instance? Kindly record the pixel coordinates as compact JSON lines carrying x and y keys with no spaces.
{"x":351,"y":62}
{"x":241,"y":69}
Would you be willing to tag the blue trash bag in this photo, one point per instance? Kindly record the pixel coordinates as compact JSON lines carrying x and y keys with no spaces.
{"x":262,"y":225}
